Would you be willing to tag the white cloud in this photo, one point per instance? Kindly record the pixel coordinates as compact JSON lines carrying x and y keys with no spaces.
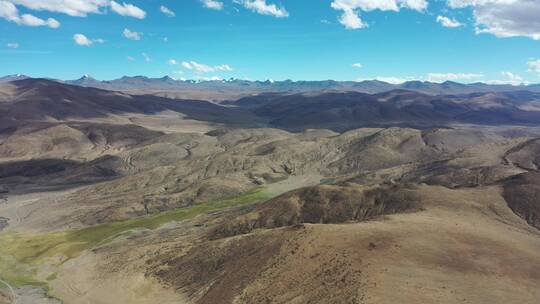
{"x":132,"y":35}
{"x":447,"y":22}
{"x":130,"y":58}
{"x":440,"y":77}
{"x":510,"y":78}
{"x":223,"y":67}
{"x":146,"y":57}
{"x":81,"y":39}
{"x":13,"y":45}
{"x":52,"y":23}
{"x":465,"y":3}
{"x":10,"y":12}
{"x":350,"y":17}
{"x":351,"y":20}
{"x":212,"y":4}
{"x":263,"y":8}
{"x":392,"y":80}
{"x":213,"y":78}
{"x":31,"y":20}
{"x":199,"y":67}
{"x":534,"y":66}
{"x":81,"y":8}
{"x":186,"y":65}
{"x":167,"y":11}
{"x":388,"y":79}
{"x":504,"y":18}
{"x":357,"y":65}
{"x":417,"y":5}
{"x":126,"y":9}
{"x":365,"y":5}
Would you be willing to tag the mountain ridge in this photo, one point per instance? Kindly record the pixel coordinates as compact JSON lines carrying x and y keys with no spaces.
{"x":234,"y":88}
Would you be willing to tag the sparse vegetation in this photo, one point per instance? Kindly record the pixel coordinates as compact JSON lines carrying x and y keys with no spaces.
{"x":328,"y":181}
{"x":97,"y":189}
{"x":20,"y":253}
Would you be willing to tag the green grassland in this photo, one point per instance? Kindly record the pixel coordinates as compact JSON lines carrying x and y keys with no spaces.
{"x":21,"y":254}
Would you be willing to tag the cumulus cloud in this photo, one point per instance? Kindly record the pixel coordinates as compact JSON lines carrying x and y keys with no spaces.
{"x":223,"y":67}
{"x":351,"y":20}
{"x":439,"y":77}
{"x":357,"y":65}
{"x":31,"y":20}
{"x":167,"y":11}
{"x":200,"y":67}
{"x":504,"y":18}
{"x":432,"y":77}
{"x":392,"y":80}
{"x":448,"y":22}
{"x":263,"y":8}
{"x":509,"y":78}
{"x":512,"y":76}
{"x":81,"y":39}
{"x":417,"y":5}
{"x":213,"y":78}
{"x":465,"y":3}
{"x":534,"y":66}
{"x":129,"y":10}
{"x":132,"y":35}
{"x":388,"y":79}
{"x":81,"y":8}
{"x":212,"y":4}
{"x":13,"y":45}
{"x":350,"y":17}
{"x":10,"y":12}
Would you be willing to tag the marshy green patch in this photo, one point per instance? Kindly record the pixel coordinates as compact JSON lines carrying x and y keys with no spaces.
{"x":328,"y":181}
{"x":20,"y":253}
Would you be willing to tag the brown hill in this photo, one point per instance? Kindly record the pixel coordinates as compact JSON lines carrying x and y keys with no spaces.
{"x":324,"y":205}
{"x":107,"y":197}
{"x":40,"y":99}
{"x":343,"y":111}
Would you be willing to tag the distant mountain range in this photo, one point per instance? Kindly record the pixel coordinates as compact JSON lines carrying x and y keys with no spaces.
{"x":43,"y":100}
{"x":349,"y":110}
{"x":237,"y":88}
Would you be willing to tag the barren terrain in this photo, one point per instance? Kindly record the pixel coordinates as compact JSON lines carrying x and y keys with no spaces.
{"x":396,"y":197}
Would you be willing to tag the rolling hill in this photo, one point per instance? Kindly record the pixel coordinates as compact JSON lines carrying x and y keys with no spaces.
{"x":277,"y":197}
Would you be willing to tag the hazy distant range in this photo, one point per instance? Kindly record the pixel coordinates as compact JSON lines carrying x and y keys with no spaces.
{"x":219,"y":90}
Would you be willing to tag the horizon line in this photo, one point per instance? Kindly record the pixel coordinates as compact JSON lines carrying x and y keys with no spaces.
{"x":214,"y":79}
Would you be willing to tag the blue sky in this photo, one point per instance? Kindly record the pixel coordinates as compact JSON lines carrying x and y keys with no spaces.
{"x":393,"y":40}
